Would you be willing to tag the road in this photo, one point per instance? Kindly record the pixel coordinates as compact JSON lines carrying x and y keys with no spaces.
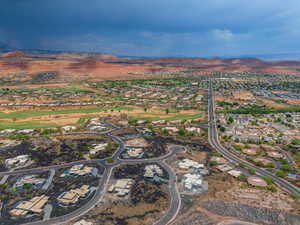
{"x":85,"y":208}
{"x":214,"y":142}
{"x":49,"y":180}
{"x":175,"y":202}
{"x":175,"y":199}
{"x":47,"y":212}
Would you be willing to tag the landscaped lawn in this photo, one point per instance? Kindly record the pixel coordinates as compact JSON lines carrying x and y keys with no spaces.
{"x":177,"y":117}
{"x":25,"y":125}
{"x":32,"y":113}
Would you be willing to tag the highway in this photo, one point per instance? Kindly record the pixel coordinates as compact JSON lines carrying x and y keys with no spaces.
{"x":214,"y":142}
{"x":175,"y":199}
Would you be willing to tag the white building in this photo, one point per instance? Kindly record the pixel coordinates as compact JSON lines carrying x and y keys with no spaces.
{"x":34,"y":180}
{"x":68,"y":128}
{"x":235,"y":173}
{"x":26,"y":131}
{"x":190,"y":164}
{"x":194,"y":129}
{"x":80,"y":170}
{"x":153,"y":170}
{"x":121,"y":188}
{"x":96,"y":124}
{"x":20,"y":160}
{"x":98,"y":147}
{"x":194,"y":183}
{"x":83,"y":222}
{"x":7,"y":131}
{"x":135,"y":152}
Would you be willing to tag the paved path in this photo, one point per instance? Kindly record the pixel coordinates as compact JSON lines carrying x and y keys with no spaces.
{"x":175,"y":199}
{"x":49,"y":180}
{"x":102,"y":186}
{"x":4,"y":179}
{"x":47,"y":212}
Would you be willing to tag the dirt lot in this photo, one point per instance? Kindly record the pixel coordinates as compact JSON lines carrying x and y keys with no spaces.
{"x":230,"y":199}
{"x":243,"y":95}
{"x":125,"y":213}
{"x":271,"y":103}
{"x":146,"y":201}
{"x":29,"y":86}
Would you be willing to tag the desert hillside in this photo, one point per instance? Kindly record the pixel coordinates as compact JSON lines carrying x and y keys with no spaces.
{"x":77,"y":66}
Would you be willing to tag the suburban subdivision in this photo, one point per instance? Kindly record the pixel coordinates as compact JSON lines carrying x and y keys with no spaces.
{"x":156,"y":141}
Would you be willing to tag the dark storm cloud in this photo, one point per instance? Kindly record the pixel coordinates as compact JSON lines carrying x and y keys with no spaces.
{"x":157,"y":27}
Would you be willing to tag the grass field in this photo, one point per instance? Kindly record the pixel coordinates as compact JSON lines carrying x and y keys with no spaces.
{"x":33,"y":113}
{"x":256,"y":109}
{"x":71,"y":88}
{"x":177,"y":117}
{"x":25,"y":125}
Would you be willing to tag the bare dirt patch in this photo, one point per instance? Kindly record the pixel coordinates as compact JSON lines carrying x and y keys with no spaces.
{"x":271,"y":103}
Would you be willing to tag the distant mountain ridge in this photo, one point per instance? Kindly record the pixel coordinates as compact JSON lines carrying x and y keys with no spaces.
{"x":93,"y":63}
{"x":4,"y":48}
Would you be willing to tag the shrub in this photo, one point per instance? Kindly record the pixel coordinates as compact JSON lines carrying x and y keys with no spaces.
{"x":269,"y":180}
{"x":110,"y":160}
{"x":272,"y":188}
{"x":280,"y":173}
{"x":286,"y":167}
{"x":242,"y":177}
{"x":252,"y":171}
{"x":213,"y":163}
{"x":270,"y":165}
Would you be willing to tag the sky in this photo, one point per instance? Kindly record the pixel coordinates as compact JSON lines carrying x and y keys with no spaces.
{"x":153,"y":28}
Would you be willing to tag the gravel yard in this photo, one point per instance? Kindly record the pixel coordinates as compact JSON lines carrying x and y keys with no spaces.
{"x":251,"y":213}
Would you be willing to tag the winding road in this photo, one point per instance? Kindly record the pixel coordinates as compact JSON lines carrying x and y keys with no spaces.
{"x":175,"y":199}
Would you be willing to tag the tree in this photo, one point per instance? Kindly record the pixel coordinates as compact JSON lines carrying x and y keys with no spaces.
{"x":238,"y":147}
{"x":272,"y":188}
{"x":150,"y":126}
{"x":230,"y":120}
{"x":110,"y":160}
{"x":252,"y":171}
{"x":167,"y":111}
{"x":270,"y":165}
{"x":181,"y":132}
{"x":259,"y":163}
{"x":222,"y":129}
{"x":213,"y":163}
{"x":165,"y":132}
{"x":296,"y":142}
{"x":294,"y":196}
{"x":92,"y":156}
{"x":27,"y":186}
{"x":268,"y":179}
{"x":286,"y":167}
{"x":242,"y":177}
{"x":280,"y":173}
{"x":284,"y":161}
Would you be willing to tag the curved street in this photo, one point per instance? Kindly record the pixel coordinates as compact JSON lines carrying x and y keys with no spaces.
{"x":175,"y":200}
